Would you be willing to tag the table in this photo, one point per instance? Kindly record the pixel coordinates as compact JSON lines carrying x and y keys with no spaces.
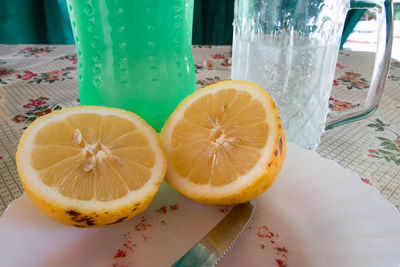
{"x":37,"y":79}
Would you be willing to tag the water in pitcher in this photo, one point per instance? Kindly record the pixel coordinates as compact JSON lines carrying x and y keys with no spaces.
{"x":297,"y":73}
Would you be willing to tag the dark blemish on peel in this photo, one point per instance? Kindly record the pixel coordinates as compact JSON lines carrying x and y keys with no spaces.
{"x":118,"y":221}
{"x":77,"y":217}
{"x":72,"y":213}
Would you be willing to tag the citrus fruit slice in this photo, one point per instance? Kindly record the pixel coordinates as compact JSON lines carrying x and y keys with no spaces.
{"x":90,"y":166}
{"x":224,"y":143}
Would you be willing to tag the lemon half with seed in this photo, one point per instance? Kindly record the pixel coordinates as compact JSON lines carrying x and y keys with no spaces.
{"x":224,"y":143}
{"x":90,"y":166}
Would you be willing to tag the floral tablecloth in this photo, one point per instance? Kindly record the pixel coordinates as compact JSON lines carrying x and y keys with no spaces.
{"x":35,"y":80}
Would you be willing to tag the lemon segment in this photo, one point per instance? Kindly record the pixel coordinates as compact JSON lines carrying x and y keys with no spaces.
{"x":101,"y":163}
{"x":224,"y":143}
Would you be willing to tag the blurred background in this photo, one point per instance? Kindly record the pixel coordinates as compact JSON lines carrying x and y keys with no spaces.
{"x":363,"y":35}
{"x":47,"y":22}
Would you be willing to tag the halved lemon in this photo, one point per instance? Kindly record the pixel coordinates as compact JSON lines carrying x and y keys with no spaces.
{"x":224,"y":143}
{"x":90,"y":166}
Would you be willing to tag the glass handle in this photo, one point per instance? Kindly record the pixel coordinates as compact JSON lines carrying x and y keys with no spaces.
{"x":381,"y":67}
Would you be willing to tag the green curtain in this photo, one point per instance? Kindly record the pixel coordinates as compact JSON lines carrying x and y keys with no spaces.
{"x":212,"y":22}
{"x":34,"y":22}
{"x":353,"y":16}
{"x":47,"y":22}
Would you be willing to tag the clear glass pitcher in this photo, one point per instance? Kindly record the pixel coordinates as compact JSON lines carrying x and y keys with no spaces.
{"x":290,"y":48}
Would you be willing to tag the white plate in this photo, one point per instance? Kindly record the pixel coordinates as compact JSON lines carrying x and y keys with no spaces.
{"x":323,"y":215}
{"x":315,"y":214}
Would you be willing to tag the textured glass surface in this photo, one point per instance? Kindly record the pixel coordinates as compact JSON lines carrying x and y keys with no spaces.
{"x":290,"y":48}
{"x":134,"y":54}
